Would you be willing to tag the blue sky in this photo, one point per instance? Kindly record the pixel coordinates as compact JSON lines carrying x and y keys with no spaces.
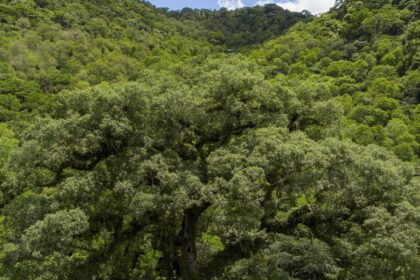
{"x":314,"y":6}
{"x":179,"y":4}
{"x":209,"y":4}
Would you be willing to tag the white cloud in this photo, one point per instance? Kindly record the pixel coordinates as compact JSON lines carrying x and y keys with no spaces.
{"x":314,"y":6}
{"x":231,"y":4}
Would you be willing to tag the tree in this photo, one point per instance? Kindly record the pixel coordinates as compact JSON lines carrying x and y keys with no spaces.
{"x":385,"y":21}
{"x":130,"y":177}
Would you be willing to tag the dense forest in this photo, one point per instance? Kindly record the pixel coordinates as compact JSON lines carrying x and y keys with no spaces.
{"x":141,"y":143}
{"x":241,"y":27}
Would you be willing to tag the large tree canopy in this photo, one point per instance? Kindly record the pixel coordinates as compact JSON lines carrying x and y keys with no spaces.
{"x":203,"y":180}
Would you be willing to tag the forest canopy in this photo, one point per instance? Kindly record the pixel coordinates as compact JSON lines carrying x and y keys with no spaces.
{"x":140,"y":143}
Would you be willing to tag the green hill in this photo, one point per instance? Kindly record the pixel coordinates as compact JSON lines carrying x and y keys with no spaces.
{"x":239,"y":28}
{"x":138,"y":143}
{"x":365,"y":56}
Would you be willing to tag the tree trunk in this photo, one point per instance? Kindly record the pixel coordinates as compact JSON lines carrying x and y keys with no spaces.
{"x":186,"y":247}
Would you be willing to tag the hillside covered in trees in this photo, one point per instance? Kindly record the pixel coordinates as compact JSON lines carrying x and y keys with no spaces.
{"x":241,"y":27}
{"x":141,"y":143}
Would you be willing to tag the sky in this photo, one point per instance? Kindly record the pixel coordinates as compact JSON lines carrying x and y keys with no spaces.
{"x":314,"y":6}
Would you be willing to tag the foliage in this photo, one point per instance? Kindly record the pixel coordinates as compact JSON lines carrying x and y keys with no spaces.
{"x":242,"y":27}
{"x":135,"y":145}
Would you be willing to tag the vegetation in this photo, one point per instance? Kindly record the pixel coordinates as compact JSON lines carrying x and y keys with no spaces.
{"x":134,"y":146}
{"x":242,"y":27}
